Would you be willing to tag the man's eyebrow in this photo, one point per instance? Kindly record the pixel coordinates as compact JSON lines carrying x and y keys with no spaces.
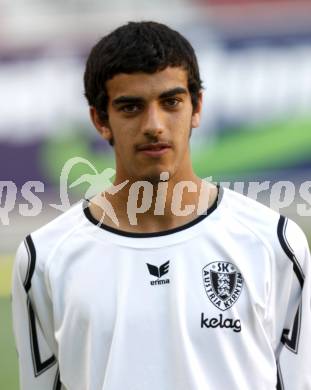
{"x":173,"y":92}
{"x":139,"y":100}
{"x":127,"y":99}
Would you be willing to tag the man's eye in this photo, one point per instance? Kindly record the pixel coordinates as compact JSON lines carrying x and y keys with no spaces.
{"x":130,"y":108}
{"x":172,"y":102}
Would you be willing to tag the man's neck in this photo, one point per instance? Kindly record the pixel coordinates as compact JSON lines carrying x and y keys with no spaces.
{"x":158,"y":207}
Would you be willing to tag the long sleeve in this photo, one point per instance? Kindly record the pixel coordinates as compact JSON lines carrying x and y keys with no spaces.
{"x":294,"y":360}
{"x":38,"y":368}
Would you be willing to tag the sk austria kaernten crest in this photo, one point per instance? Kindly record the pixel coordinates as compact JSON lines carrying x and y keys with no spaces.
{"x":223,"y":283}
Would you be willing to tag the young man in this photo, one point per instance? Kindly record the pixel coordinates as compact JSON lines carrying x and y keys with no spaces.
{"x":198,"y":291}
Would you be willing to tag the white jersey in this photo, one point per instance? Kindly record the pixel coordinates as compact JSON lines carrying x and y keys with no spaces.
{"x":222,"y":302}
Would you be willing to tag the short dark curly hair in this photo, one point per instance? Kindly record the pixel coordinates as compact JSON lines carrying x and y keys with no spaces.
{"x":138,"y":47}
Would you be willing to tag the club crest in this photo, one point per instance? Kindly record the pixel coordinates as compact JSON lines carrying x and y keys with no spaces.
{"x":223,"y":283}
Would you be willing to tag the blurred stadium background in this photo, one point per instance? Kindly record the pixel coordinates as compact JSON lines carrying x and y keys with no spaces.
{"x":255,"y":59}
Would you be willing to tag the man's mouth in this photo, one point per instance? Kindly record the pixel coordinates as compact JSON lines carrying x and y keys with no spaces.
{"x":154,"y":149}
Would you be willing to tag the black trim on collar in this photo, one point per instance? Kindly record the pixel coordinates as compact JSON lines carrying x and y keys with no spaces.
{"x":213,"y":207}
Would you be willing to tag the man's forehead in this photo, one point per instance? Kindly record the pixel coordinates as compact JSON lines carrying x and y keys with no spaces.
{"x":147,"y":84}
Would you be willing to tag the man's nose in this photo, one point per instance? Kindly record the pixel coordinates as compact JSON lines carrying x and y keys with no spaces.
{"x":152,"y":123}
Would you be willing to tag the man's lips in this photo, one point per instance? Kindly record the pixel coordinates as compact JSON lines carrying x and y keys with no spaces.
{"x":153,"y":146}
{"x":154,"y":149}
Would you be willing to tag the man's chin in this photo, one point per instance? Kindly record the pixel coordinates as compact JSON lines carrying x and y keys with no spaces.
{"x":155,"y":177}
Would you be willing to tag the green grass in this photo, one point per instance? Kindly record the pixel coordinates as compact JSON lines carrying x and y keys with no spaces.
{"x":265,"y":146}
{"x":8,"y":355}
{"x":5,"y":275}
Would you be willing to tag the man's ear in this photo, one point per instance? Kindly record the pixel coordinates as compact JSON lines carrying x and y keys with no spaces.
{"x":196,"y":115}
{"x":102,"y":127}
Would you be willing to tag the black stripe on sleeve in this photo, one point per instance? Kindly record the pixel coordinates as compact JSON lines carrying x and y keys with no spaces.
{"x":280,"y":384}
{"x":288,"y":250}
{"x":39,"y":366}
{"x":57,"y":383}
{"x":31,"y":262}
{"x":291,"y":341}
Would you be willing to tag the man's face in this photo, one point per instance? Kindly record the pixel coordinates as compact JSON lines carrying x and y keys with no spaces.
{"x":150,"y":119}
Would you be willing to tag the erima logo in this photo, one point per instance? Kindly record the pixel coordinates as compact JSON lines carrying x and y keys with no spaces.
{"x":223,"y":283}
{"x":159,"y":272}
{"x":220,"y":322}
